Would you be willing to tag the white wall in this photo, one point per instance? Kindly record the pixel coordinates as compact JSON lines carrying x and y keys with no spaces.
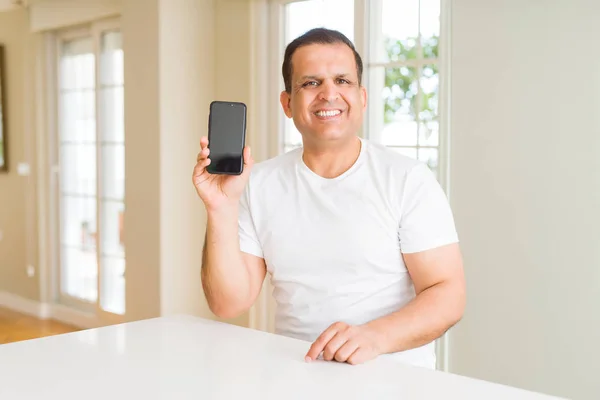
{"x":18,"y":226}
{"x":171,"y":75}
{"x":187,"y":86}
{"x":142,"y":157}
{"x":525,"y":176}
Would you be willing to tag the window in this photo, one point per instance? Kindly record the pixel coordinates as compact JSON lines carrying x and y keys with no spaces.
{"x":401,"y":58}
{"x":402,"y":70}
{"x":91,"y":158}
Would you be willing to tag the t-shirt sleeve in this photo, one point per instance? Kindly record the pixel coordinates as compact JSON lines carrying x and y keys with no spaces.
{"x":249,"y":242}
{"x":426,"y":220}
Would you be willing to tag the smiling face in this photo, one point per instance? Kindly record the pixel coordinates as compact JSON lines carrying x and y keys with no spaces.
{"x":326,"y":101}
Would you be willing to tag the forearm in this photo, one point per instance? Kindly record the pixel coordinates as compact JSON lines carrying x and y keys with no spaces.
{"x":225,"y":278}
{"x":427,"y":317}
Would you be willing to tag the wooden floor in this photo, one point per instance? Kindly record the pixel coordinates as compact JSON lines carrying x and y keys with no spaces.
{"x":15,"y":327}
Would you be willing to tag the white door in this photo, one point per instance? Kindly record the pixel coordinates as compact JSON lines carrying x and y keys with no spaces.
{"x":89,"y":188}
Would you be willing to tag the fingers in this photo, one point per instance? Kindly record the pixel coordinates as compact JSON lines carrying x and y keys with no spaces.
{"x":345,"y":351}
{"x":202,"y":160}
{"x":334,"y":345}
{"x":357,"y":357}
{"x":200,"y":168}
{"x":203,"y":155}
{"x":203,"y":142}
{"x":319,"y":345}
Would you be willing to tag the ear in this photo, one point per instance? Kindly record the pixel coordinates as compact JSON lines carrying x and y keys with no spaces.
{"x":363,"y":96}
{"x":285,"y":99}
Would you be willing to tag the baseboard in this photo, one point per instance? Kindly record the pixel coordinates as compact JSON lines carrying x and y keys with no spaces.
{"x":72,"y":317}
{"x":56,"y":312}
{"x":24,"y":305}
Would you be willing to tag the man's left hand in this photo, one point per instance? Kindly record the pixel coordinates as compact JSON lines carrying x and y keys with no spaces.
{"x":345,"y":343}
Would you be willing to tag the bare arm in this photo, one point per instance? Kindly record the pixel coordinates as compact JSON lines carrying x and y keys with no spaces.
{"x":231,"y":279}
{"x":439,"y":283}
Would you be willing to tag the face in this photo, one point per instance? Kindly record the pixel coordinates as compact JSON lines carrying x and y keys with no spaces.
{"x":326,"y":101}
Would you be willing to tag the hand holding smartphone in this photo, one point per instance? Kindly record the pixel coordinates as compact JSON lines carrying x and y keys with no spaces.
{"x":223,"y":164}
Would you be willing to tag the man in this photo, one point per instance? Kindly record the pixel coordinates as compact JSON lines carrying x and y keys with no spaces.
{"x":359,"y":241}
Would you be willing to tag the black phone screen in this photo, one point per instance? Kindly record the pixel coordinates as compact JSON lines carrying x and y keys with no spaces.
{"x":226,"y":137}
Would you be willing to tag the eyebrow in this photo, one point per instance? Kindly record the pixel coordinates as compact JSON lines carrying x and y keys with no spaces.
{"x":307,"y":77}
{"x":314,"y":77}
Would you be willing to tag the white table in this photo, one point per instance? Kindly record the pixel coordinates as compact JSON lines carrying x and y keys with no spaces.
{"x":193,"y":358}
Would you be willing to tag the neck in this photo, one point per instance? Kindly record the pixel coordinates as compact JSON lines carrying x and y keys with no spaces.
{"x":332,"y":161}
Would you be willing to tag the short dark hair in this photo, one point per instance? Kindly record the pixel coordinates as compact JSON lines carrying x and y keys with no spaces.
{"x":316,"y":36}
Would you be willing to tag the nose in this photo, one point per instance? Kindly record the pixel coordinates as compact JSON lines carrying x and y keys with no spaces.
{"x":329,"y":91}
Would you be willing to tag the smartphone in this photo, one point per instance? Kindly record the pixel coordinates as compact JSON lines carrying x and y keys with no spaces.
{"x":226,"y":137}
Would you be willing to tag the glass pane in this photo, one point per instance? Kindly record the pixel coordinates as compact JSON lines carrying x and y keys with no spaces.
{"x":430,"y":157}
{"x":113,"y":285}
{"x":113,"y":171}
{"x":429,"y":133}
{"x":112,"y":228}
{"x":77,"y":116}
{"x":113,"y":174}
{"x":77,"y":60}
{"x":112,"y":112}
{"x":78,"y":256}
{"x":79,"y":274}
{"x":77,"y":133}
{"x":430,"y":27}
{"x":78,"y":168}
{"x":292,"y":136}
{"x":395,"y":38}
{"x":400,"y":93}
{"x":407,"y":151}
{"x":398,"y":100}
{"x":111,"y":59}
{"x":429,"y":83}
{"x":78,"y":228}
{"x":302,"y":16}
{"x":400,"y":133}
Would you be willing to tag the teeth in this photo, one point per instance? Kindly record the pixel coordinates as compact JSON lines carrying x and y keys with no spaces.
{"x":328,"y":113}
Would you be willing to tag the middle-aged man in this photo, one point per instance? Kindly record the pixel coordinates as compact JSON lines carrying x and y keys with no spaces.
{"x":359,"y":241}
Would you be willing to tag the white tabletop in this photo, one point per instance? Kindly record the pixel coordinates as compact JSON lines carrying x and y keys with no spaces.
{"x":193,"y":358}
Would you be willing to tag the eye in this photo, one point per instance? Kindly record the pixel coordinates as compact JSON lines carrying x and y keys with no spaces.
{"x":343,"y":81}
{"x":310,"y":83}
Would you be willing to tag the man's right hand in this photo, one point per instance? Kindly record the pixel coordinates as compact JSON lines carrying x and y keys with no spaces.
{"x":218,"y":191}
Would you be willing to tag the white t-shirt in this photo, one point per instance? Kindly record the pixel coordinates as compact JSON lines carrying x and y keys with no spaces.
{"x":333,"y":246}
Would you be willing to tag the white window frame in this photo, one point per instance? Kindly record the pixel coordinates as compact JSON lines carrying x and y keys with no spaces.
{"x":65,"y":306}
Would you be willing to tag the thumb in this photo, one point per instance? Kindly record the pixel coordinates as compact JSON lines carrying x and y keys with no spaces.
{"x":248,"y":161}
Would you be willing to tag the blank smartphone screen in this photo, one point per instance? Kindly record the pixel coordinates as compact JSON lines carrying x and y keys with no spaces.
{"x":227,"y":130}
